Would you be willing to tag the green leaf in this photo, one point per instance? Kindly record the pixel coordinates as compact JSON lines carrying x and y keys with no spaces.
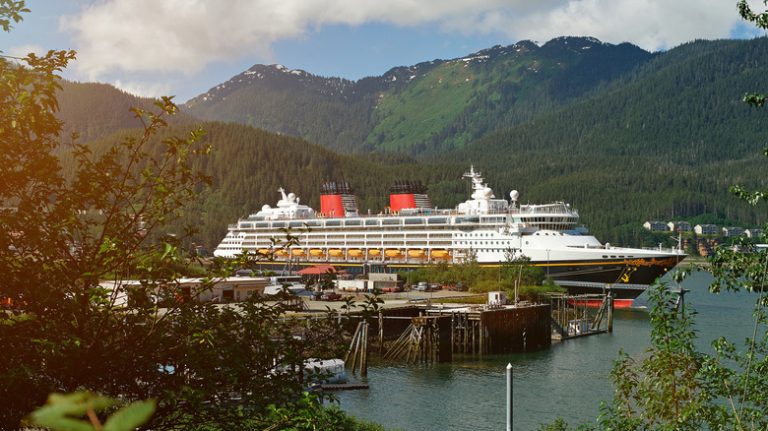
{"x":61,"y":423}
{"x":62,"y":409}
{"x":131,"y":416}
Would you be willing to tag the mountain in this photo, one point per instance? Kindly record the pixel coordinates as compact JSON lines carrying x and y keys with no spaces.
{"x":94,"y":110}
{"x":427,"y":107}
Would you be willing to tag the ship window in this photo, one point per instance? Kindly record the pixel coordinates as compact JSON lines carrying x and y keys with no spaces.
{"x":371,"y":222}
{"x":414,"y":221}
{"x":262,"y":224}
{"x":605,"y":256}
{"x":437,"y":220}
{"x":313,"y":223}
{"x":390,"y":221}
{"x":278,"y":224}
{"x":613,"y":256}
{"x":333,"y":222}
{"x":353,"y":223}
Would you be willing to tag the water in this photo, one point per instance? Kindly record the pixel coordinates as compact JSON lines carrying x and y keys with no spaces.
{"x":569,"y":380}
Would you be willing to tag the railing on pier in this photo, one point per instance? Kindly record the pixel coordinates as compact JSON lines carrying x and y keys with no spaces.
{"x":576,"y":315}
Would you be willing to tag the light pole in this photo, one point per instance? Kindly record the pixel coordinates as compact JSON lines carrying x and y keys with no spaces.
{"x":548,"y":250}
{"x":509,"y":396}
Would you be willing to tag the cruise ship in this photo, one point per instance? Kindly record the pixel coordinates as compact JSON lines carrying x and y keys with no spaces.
{"x":411,"y":233}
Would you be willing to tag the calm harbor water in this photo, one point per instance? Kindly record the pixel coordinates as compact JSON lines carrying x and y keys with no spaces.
{"x":569,"y":380}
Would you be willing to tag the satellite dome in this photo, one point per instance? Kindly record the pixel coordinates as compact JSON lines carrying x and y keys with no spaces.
{"x":514,"y":194}
{"x":265,"y":208}
{"x":291,"y":196}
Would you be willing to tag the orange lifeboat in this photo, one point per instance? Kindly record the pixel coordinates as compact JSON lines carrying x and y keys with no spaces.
{"x":336,"y":252}
{"x":355,"y":252}
{"x":416,"y":254}
{"x":374,"y":252}
{"x":440,"y":254}
{"x":316,"y":252}
{"x":281,"y":252}
{"x":297,"y":252}
{"x":264,"y":251}
{"x":393,"y":253}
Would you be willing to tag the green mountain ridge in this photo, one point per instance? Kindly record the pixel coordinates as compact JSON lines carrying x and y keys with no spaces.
{"x":427,"y":107}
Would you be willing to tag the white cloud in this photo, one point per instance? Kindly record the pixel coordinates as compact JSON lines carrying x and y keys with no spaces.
{"x":172,"y":36}
{"x":651,"y":24}
{"x":143,"y":89}
{"x":22,"y":51}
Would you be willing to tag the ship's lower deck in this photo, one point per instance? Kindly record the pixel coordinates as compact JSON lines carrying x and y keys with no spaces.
{"x":635,"y":271}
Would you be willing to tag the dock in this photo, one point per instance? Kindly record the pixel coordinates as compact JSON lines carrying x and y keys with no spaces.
{"x":426,"y":333}
{"x":344,"y":386}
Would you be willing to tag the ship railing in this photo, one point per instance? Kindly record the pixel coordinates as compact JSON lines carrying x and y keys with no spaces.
{"x":599,"y":285}
{"x":663,"y":249}
{"x":557,"y":211}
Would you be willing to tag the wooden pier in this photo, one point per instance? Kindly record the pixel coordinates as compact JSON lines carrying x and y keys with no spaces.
{"x":433,"y":334}
{"x":437,"y":333}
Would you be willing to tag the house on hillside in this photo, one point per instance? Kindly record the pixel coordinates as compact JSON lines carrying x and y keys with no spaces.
{"x":679,"y":226}
{"x":656,"y":226}
{"x":706,"y":229}
{"x":753,"y":233}
{"x":732,"y":231}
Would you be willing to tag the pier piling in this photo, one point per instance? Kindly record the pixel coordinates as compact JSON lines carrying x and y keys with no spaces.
{"x":610,"y":310}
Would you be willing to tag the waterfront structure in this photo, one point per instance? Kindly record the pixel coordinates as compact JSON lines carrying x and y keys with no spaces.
{"x":753,"y":233}
{"x":410,"y":234}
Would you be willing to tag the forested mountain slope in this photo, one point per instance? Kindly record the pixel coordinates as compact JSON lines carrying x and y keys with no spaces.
{"x":426,"y":107}
{"x":248,"y":165}
{"x":95,"y":110}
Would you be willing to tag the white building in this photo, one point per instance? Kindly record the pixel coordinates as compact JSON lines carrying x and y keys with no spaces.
{"x":753,"y":233}
{"x":679,"y":226}
{"x":656,"y":226}
{"x":732,"y":231}
{"x":706,"y":229}
{"x":224,"y":290}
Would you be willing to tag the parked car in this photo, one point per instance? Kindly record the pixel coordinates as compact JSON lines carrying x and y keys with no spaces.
{"x":330,"y":296}
{"x":423,"y":286}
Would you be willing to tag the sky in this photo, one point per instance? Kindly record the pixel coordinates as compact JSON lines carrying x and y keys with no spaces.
{"x":185,"y":47}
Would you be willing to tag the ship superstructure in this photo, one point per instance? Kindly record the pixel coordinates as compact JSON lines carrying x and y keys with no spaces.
{"x":486,"y":229}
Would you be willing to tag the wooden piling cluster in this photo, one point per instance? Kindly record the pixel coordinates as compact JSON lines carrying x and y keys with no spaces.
{"x":423,"y":341}
{"x":358,"y":349}
{"x":466,"y":332}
